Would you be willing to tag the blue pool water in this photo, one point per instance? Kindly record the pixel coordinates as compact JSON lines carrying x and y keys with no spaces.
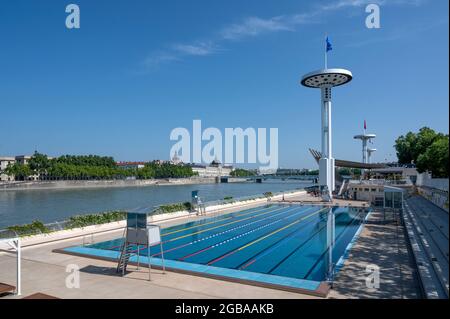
{"x":284,"y":241}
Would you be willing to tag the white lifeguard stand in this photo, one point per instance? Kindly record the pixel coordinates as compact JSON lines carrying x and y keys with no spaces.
{"x":14,"y":244}
{"x":139,"y":234}
{"x":325,"y":80}
{"x":197,"y":204}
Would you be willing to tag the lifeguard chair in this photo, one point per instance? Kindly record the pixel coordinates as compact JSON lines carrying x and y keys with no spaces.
{"x":197,"y":204}
{"x":139,"y":235}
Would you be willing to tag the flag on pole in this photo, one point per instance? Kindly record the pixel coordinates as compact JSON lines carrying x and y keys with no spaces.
{"x":365,"y":126}
{"x":329,"y":46}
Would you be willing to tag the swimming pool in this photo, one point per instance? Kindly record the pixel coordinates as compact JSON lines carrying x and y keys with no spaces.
{"x":275,"y":245}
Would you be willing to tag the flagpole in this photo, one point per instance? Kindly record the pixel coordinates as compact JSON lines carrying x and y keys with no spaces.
{"x":326,"y":53}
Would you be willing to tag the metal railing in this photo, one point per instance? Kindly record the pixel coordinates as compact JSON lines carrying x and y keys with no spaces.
{"x":152,"y":210}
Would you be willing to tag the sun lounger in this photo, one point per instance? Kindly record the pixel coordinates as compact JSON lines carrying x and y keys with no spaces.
{"x":40,"y":295}
{"x":4,"y":288}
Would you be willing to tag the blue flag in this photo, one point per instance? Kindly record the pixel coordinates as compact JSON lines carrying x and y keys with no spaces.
{"x":329,"y":47}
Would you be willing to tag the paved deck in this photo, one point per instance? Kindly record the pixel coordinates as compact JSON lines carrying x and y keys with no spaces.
{"x":381,"y":243}
{"x":45,"y":271}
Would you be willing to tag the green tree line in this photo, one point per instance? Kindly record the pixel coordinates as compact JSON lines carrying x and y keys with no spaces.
{"x":91,"y":167}
{"x":240,"y":172}
{"x":427,"y":149}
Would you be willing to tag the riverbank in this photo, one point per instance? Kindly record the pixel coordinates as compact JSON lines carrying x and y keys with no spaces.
{"x":30,"y":185}
{"x":87,"y":233}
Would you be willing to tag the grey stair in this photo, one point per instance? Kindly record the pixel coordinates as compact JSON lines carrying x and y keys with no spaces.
{"x":124,"y":258}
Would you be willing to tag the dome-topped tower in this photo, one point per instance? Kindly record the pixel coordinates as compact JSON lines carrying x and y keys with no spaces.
{"x":175,"y":159}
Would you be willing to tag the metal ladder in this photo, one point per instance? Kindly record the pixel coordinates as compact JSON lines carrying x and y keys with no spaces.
{"x":124,"y":258}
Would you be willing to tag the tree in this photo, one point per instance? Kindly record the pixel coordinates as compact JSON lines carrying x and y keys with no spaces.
{"x":435,"y":158}
{"x":19,"y":171}
{"x":239,"y":172}
{"x":39,"y":163}
{"x":404,"y":146}
{"x":411,"y":146}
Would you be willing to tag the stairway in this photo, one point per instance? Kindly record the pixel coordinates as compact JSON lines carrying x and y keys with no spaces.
{"x":125,"y":255}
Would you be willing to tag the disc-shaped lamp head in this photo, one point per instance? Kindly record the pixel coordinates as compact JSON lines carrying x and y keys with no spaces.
{"x":327,"y":78}
{"x":364,"y":136}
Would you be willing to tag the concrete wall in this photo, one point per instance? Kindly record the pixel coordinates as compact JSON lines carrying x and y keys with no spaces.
{"x":425,"y":179}
{"x":434,"y":189}
{"x":98,"y":184}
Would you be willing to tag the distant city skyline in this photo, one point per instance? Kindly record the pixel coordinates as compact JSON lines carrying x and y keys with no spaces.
{"x":136,"y":70}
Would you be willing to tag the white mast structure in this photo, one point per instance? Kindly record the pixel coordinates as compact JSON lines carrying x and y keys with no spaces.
{"x":324,"y":80}
{"x":369,"y":153}
{"x":365,"y":137}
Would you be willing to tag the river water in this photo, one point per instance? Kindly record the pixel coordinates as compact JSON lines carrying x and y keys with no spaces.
{"x":24,"y":206}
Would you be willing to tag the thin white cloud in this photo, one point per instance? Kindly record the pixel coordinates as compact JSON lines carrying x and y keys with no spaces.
{"x":340,"y":4}
{"x":254,"y":26}
{"x":196,"y":49}
{"x":158,"y":58}
{"x":257,"y":26}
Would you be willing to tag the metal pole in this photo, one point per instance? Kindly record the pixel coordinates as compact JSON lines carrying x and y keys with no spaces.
{"x":138,"y":257}
{"x":149,"y":264}
{"x":162,"y":256}
{"x":19,"y":257}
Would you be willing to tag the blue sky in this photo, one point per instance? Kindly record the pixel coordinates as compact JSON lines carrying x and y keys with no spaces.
{"x":135,"y":70}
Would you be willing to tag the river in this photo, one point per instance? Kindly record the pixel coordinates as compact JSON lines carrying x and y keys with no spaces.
{"x":24,"y":206}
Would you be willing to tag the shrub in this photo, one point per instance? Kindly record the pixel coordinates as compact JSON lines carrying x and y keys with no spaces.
{"x":36,"y":227}
{"x":171,"y":208}
{"x":94,"y":219}
{"x":268,"y":194}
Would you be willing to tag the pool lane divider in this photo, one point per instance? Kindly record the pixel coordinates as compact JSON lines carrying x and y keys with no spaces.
{"x":308,"y":287}
{"x":277,"y":244}
{"x":243,"y":234}
{"x":226,"y":224}
{"x":345,"y":255}
{"x":223,"y":232}
{"x":245,"y":213}
{"x":262,"y":210}
{"x":265,"y":236}
{"x":294,"y":251}
{"x":323,"y":255}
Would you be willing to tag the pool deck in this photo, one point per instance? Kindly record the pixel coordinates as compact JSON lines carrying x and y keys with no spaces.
{"x":44,"y":271}
{"x":383,"y":244}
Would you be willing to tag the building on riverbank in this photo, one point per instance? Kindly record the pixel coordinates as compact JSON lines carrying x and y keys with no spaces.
{"x":215,"y":169}
{"x":5,"y":161}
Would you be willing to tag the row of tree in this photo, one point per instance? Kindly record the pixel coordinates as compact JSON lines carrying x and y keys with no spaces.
{"x":69,"y":167}
{"x":427,"y":149}
{"x":165,"y":170}
{"x":240,"y":172}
